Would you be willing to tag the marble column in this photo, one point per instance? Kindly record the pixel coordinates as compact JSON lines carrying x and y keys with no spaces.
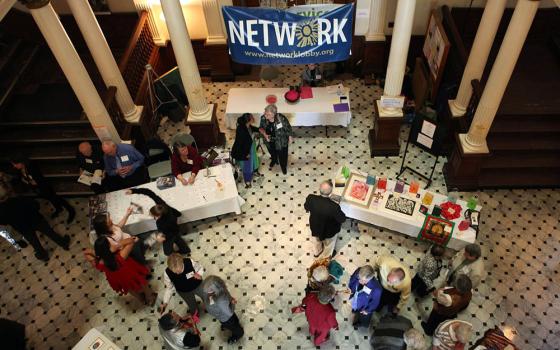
{"x":376,"y":27}
{"x":5,"y":7}
{"x":104,"y":59}
{"x":475,"y":140}
{"x":216,"y":33}
{"x":385,"y":135}
{"x":153,"y":23}
{"x":398,"y":53}
{"x":478,"y":56}
{"x":50,"y":26}
{"x":199,"y":109}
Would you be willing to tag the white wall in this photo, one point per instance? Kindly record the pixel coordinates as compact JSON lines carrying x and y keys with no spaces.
{"x":424,"y":8}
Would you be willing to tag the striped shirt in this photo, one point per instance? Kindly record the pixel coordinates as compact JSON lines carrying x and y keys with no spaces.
{"x":444,"y":336}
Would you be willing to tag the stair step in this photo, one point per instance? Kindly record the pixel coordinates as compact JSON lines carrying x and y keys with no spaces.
{"x":44,"y":152}
{"x":528,"y":142}
{"x":520,"y":178}
{"x":526,"y":124}
{"x":44,"y":123}
{"x":70,"y":188}
{"x":72,"y":134}
{"x":513,"y":160}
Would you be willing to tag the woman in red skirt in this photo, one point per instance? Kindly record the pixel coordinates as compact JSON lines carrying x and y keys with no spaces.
{"x":124,"y":274}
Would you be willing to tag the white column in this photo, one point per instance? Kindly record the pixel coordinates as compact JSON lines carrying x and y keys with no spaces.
{"x":153,"y":22}
{"x":475,"y":140}
{"x":216,"y":34}
{"x":103,"y":58}
{"x":199,"y":109}
{"x":376,"y":27}
{"x":478,"y":56}
{"x":5,"y":7}
{"x":73,"y":68}
{"x":400,"y":41}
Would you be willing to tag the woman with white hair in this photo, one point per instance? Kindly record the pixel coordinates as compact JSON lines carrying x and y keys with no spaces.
{"x":365,"y":293}
{"x":277,"y":132}
{"x":452,"y":335}
{"x":414,"y":339}
{"x":220,"y":304}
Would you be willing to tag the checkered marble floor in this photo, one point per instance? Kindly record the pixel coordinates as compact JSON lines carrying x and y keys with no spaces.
{"x":264,"y":252}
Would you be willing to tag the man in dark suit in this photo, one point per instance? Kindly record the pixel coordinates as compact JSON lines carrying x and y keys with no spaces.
{"x":31,"y":175}
{"x":23,"y":214}
{"x":325,"y":220}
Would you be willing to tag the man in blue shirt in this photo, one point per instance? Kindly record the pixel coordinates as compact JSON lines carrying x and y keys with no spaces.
{"x":124,"y":166}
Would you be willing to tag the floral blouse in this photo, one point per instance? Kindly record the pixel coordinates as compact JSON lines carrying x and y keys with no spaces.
{"x":429,"y":269}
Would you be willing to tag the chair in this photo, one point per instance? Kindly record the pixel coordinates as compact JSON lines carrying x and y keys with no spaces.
{"x":157,"y":159}
{"x":184,"y":138}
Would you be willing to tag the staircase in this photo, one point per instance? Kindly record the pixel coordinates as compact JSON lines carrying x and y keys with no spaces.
{"x":524,"y":152}
{"x":40,"y":115}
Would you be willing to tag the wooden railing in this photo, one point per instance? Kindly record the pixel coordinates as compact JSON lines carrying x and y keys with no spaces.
{"x":141,"y":50}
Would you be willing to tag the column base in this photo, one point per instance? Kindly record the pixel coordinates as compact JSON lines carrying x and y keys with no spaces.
{"x":456,"y":112}
{"x":134,"y":118}
{"x":462,"y":171}
{"x":220,"y":60}
{"x":207,"y":132}
{"x":385,"y":136}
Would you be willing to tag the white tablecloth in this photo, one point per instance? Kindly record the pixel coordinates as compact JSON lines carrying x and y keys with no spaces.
{"x":307,"y":112}
{"x":377,"y":215}
{"x":93,"y":336}
{"x":199,"y":201}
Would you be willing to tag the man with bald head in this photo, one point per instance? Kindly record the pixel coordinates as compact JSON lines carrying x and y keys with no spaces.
{"x":90,"y":159}
{"x":124,"y":166}
{"x":325,"y":220}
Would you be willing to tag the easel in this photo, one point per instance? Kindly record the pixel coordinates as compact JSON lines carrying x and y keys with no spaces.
{"x":417,"y":137}
{"x":404,"y":168}
{"x":155,"y":102}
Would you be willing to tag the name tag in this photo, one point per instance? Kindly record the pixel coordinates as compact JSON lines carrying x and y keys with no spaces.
{"x":89,"y":161}
{"x":279,"y":126}
{"x":124,"y":159}
{"x":189,"y":161}
{"x":366,"y":290}
{"x":318,"y":76}
{"x":190,"y":275}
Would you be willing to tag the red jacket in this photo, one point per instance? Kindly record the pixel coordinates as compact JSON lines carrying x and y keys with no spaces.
{"x":321,"y":317}
{"x":179,"y":167}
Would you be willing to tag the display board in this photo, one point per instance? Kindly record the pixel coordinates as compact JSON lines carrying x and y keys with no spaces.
{"x":435,"y":49}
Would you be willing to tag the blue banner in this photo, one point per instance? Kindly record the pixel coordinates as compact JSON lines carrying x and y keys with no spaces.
{"x":270,"y":36}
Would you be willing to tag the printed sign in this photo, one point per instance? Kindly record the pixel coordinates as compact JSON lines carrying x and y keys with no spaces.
{"x":271,"y":36}
{"x":392,"y":102}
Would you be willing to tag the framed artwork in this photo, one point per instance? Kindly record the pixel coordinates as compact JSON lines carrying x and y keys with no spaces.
{"x":436,"y":230}
{"x":401,"y":205}
{"x":435,"y":49}
{"x":357,"y":191}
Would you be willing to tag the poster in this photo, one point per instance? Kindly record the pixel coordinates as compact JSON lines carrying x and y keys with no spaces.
{"x":424,"y":140}
{"x":259,"y":35}
{"x":357,"y":191}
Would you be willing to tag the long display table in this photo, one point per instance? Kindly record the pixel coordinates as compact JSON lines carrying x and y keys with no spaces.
{"x":314,"y":111}
{"x":207,"y":197}
{"x":378,"y":214}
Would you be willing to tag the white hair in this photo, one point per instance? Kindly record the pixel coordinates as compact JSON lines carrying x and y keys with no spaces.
{"x":463,"y":332}
{"x":320,"y":273}
{"x":326,"y":188}
{"x":414,"y":339}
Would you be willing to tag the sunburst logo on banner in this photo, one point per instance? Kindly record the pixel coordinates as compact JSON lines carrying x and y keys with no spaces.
{"x":306,"y":33}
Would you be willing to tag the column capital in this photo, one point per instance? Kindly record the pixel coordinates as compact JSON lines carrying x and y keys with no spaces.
{"x":35,"y":4}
